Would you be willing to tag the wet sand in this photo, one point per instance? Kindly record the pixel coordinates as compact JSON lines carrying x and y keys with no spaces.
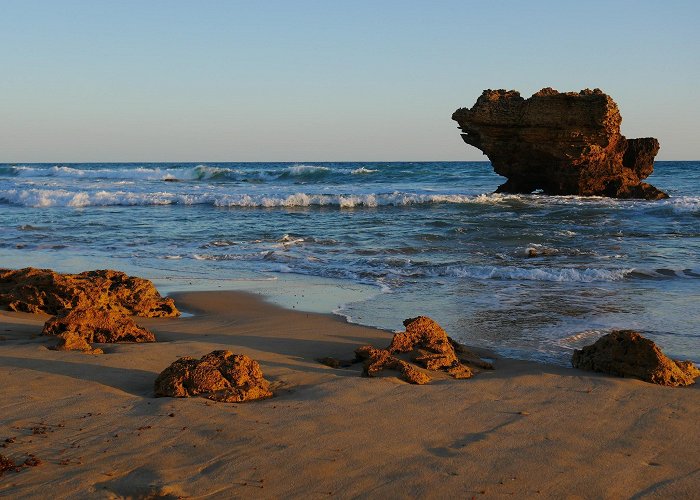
{"x":523,"y":430}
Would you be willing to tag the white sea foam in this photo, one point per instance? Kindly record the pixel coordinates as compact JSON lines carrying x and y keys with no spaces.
{"x":363,"y":170}
{"x":201,"y":256}
{"x":685,"y":203}
{"x":491,"y":198}
{"x":36,"y":197}
{"x":587,"y":336}
{"x":537,"y":250}
{"x":537,"y":274}
{"x":84,"y":196}
{"x":288,"y":240}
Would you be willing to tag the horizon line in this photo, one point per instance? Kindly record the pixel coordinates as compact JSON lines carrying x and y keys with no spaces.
{"x":268,"y":161}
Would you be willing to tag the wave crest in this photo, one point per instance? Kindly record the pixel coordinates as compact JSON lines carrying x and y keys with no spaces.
{"x":567,"y":274}
{"x":35,"y":197}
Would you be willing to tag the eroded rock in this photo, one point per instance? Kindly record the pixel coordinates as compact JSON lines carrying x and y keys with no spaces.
{"x":626,"y":353}
{"x":376,"y":360}
{"x":219,"y":376}
{"x":45,"y":291}
{"x":428,"y":341}
{"x":560,"y":143}
{"x":77,"y":328}
{"x":425,"y":343}
{"x":74,"y":342}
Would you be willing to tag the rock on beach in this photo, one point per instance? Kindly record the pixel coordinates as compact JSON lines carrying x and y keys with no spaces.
{"x":219,"y":376}
{"x":626,"y":353}
{"x":45,"y":291}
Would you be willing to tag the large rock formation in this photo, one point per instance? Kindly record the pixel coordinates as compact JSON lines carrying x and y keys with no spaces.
{"x":76,"y":328}
{"x":626,"y":353}
{"x":42,"y":290}
{"x":219,"y":376}
{"x":562,"y":143}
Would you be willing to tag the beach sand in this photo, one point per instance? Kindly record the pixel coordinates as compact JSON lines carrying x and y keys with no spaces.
{"x":523,"y":430}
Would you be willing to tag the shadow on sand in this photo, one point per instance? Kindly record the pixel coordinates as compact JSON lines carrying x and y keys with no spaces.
{"x":132,"y":381}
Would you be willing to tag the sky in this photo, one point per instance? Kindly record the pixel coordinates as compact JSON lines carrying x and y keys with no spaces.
{"x":325,"y":80}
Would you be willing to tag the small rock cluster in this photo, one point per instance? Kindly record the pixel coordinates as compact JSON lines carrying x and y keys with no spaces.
{"x":96,"y":306}
{"x":427,"y":344}
{"x":376,"y":360}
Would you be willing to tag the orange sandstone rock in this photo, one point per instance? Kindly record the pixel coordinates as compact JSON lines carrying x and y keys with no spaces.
{"x":429,"y":340}
{"x":428,"y":345}
{"x":94,"y":325}
{"x":627,"y":354}
{"x":45,"y":291}
{"x":219,"y":376}
{"x":376,"y":360}
{"x":74,"y":342}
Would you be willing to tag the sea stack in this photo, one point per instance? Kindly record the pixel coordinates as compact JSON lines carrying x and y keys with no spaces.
{"x":560,"y":143}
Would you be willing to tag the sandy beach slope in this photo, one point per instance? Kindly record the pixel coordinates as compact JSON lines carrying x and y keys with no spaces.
{"x":523,"y":430}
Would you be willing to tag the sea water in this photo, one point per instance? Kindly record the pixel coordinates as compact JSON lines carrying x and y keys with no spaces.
{"x":530,"y":276}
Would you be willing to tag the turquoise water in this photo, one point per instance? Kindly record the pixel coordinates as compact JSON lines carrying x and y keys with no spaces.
{"x":527,"y":275}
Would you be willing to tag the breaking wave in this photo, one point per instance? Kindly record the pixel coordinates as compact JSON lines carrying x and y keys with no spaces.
{"x":30,"y":196}
{"x":568,"y":274}
{"x":298,"y":172}
{"x":35,"y":197}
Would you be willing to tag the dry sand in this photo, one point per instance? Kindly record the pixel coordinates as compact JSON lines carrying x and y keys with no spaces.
{"x":523,"y":430}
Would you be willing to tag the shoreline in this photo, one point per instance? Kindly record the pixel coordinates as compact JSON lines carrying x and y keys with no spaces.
{"x":524,"y":429}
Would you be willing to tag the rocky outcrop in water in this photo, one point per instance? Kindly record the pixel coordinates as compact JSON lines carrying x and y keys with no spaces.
{"x":45,"y":291}
{"x":77,"y":328}
{"x":626,"y":353}
{"x":560,"y":143}
{"x":219,"y":376}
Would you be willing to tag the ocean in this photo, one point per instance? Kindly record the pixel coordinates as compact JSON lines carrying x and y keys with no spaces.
{"x":529,"y":276}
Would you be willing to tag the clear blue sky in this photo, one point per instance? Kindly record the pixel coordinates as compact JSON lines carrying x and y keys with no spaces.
{"x":302,"y":80}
